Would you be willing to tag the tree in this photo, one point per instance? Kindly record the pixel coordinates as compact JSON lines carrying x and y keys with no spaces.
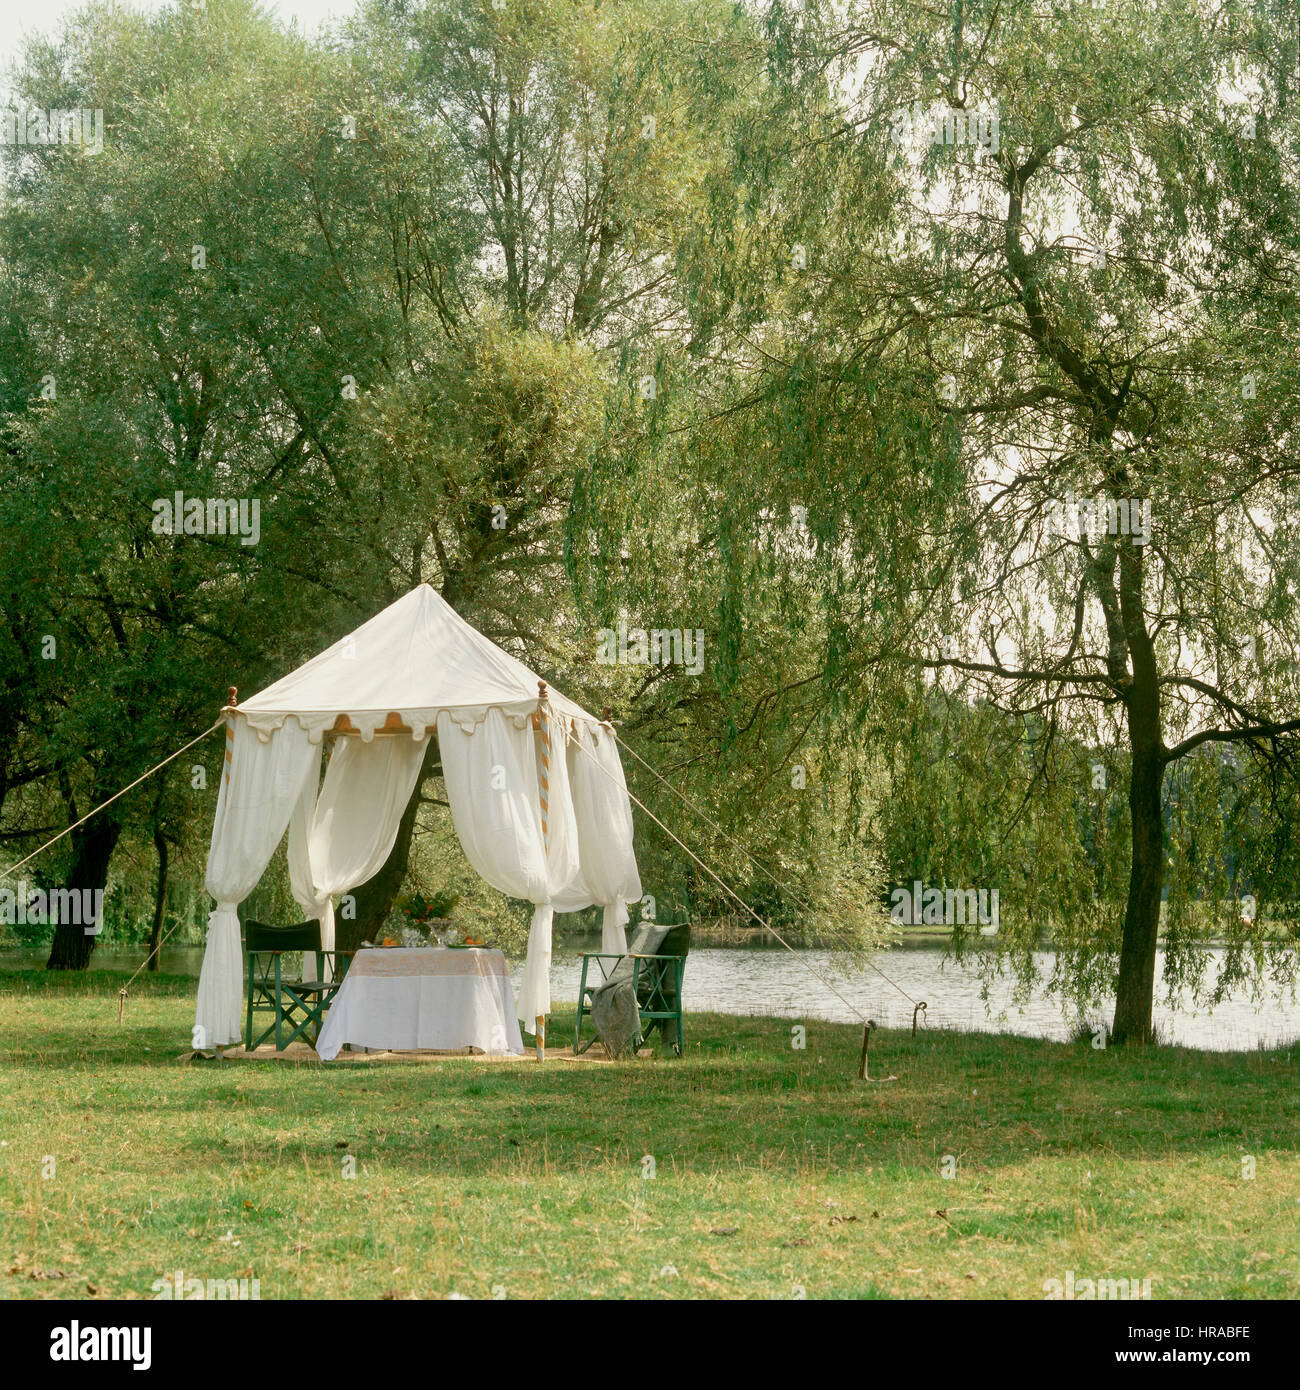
{"x":136,"y":375}
{"x":538,"y":266}
{"x":376,"y":287}
{"x":963,"y":328}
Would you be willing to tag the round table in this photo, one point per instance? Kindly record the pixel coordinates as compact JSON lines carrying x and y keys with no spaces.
{"x":423,"y":999}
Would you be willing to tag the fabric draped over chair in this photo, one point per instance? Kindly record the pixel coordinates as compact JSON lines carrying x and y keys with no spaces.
{"x":343,"y":827}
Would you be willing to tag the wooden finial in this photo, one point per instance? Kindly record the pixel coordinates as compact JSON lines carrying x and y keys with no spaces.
{"x":606,"y":716}
{"x":232,"y":696}
{"x":541,"y":690}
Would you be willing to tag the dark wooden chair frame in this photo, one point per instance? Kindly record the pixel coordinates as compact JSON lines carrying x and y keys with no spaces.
{"x":650,"y":975}
{"x":295,"y":1005}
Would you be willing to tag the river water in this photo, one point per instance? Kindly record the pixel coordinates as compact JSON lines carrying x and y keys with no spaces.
{"x":763,"y":980}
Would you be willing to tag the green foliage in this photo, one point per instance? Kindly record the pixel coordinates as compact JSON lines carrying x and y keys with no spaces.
{"x":928,"y":351}
{"x":385,"y":286}
{"x":630,"y":311}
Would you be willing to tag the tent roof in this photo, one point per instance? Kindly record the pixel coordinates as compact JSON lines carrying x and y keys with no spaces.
{"x":410,"y":662}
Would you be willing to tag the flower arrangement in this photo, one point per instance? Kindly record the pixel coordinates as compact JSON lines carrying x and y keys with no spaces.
{"x":418,"y":920}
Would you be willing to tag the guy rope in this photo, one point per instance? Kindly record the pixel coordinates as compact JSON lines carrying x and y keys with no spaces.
{"x":917,"y":1006}
{"x":4,"y":873}
{"x":868,"y":1024}
{"x":144,"y":776}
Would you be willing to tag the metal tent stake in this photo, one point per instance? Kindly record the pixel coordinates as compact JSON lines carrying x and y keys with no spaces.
{"x":866,"y":1042}
{"x":863,"y":1075}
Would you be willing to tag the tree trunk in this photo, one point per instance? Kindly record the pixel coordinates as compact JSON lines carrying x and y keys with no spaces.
{"x":1135,"y":988}
{"x":1135,"y":991}
{"x":375,"y":897}
{"x":92,"y":852}
{"x":159,"y":898}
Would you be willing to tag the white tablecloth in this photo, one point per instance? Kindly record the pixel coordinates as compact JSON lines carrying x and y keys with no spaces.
{"x":426,"y":997}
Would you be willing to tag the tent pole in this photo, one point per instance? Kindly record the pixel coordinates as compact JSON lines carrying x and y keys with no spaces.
{"x":544,"y":725}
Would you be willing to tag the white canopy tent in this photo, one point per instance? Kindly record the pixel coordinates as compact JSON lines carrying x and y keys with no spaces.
{"x":535,"y":785}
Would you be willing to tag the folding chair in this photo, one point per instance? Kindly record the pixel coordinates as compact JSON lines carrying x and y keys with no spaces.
{"x":661,"y":994}
{"x":295,"y":1005}
{"x":654,"y":976}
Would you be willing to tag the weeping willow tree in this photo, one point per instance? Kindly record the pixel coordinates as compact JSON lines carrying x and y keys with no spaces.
{"x":776,"y":797}
{"x":1000,"y":303}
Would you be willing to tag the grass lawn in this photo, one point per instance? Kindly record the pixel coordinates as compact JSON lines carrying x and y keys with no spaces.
{"x":776,"y":1171}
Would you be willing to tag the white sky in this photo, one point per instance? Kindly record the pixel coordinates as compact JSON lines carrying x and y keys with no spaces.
{"x":20,"y":19}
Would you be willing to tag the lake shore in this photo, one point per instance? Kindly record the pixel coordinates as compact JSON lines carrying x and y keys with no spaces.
{"x":767,"y":980}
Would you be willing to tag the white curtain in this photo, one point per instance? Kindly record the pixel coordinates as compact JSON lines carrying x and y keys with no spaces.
{"x":301,"y":883}
{"x":603,"y":816}
{"x":340,"y":838}
{"x":341,"y":831}
{"x":492,"y":785}
{"x":260,"y":785}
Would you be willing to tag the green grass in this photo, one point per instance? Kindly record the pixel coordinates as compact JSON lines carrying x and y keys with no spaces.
{"x":776,"y":1170}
